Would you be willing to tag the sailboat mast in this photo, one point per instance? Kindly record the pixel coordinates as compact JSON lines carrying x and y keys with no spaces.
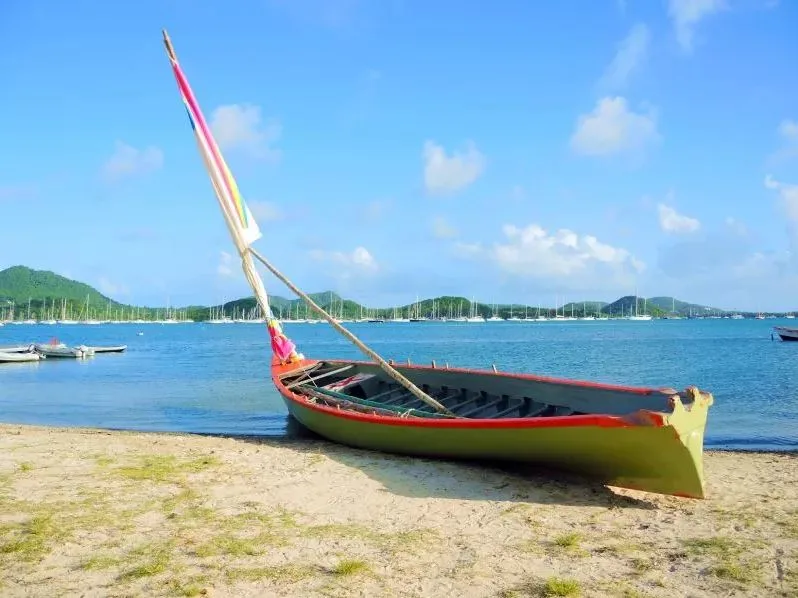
{"x":244,"y":231}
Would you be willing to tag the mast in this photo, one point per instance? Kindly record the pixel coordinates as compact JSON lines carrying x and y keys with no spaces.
{"x":244,"y":231}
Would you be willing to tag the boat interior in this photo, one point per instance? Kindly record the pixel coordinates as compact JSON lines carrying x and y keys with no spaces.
{"x":469,"y":394}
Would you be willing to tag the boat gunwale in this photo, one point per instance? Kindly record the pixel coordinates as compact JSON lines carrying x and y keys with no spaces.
{"x":650,"y":418}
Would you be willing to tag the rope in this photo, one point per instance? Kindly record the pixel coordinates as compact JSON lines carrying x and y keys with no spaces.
{"x":384,"y":365}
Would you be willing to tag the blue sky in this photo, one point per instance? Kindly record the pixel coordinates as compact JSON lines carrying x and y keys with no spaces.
{"x":519,"y":151}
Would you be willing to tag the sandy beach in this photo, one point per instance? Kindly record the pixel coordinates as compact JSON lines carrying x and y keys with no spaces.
{"x":98,"y":513}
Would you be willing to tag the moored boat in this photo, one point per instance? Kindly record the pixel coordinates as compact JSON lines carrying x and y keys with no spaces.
{"x":642,"y":438}
{"x":18,"y":357}
{"x":109,"y":349}
{"x":786,"y":333}
{"x":60,"y":350}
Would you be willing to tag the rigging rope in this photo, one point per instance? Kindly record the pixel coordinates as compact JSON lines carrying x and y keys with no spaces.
{"x":384,"y":365}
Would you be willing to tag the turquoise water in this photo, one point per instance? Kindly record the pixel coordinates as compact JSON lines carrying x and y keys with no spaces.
{"x":215,"y":378}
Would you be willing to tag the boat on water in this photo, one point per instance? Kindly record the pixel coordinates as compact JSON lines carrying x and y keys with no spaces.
{"x":19,"y":356}
{"x":647,"y":439}
{"x":109,"y":349}
{"x":60,"y":350}
{"x":786,"y":333}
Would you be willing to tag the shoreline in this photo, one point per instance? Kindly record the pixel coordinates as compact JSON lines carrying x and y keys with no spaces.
{"x":97,"y":512}
{"x":307,"y":436}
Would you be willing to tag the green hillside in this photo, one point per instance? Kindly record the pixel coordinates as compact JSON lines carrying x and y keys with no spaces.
{"x":18,"y":284}
{"x":48,"y":292}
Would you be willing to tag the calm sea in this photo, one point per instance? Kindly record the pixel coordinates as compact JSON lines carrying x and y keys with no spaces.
{"x":215,"y":378}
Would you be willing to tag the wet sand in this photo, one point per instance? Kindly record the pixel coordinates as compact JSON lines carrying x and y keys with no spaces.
{"x":98,"y":513}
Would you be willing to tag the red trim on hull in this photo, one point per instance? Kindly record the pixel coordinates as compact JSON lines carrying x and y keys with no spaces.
{"x":652,"y":418}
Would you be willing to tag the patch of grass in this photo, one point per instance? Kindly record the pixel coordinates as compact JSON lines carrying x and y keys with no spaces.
{"x":165,"y":468}
{"x":725,"y":554}
{"x":717,"y":546}
{"x":104,"y":460}
{"x":189,"y":586}
{"x":96,"y":563}
{"x":279,"y":573}
{"x":555,"y":586}
{"x":25,"y":467}
{"x":350,"y":567}
{"x":789,"y":526}
{"x":156,"y":561}
{"x":571,"y":540}
{"x":745,"y":573}
{"x":32,"y":539}
{"x":641,"y":565}
{"x":226,"y":544}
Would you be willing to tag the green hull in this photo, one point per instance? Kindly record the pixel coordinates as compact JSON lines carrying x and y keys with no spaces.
{"x":662,"y":459}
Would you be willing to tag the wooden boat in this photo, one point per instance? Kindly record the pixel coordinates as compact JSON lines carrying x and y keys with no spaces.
{"x":109,"y":349}
{"x":642,"y":438}
{"x":18,"y":357}
{"x":786,"y":333}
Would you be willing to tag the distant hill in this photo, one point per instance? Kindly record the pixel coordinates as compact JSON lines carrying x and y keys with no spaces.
{"x":683,"y":308}
{"x":657,"y":307}
{"x":20,"y":283}
{"x":47,"y":291}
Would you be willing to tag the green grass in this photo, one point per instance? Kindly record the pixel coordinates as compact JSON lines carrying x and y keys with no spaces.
{"x":555,"y":586}
{"x":350,"y":567}
{"x":226,"y":544}
{"x":725,"y":555}
{"x":717,"y":546}
{"x":25,"y":467}
{"x":155,"y":561}
{"x":279,"y":573}
{"x":744,"y":573}
{"x":98,"y":563}
{"x":568,"y":541}
{"x":188,"y":586}
{"x":165,"y":468}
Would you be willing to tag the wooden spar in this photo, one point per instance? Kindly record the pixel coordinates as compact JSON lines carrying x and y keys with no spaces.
{"x":168,"y":43}
{"x":417,"y":392}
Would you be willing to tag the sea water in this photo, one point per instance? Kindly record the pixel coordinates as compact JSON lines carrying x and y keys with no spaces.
{"x":214,"y":378}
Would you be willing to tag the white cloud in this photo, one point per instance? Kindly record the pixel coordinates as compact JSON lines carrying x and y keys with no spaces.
{"x":225,"y":267}
{"x":686,"y":14}
{"x":613,"y":129}
{"x":788,"y":196}
{"x":673,"y":222}
{"x":127,"y":161}
{"x":570,"y":259}
{"x":348,"y":264}
{"x":630,"y":55}
{"x":447,"y":174}
{"x":240,"y":126}
{"x":442,"y":229}
{"x":265,"y":211}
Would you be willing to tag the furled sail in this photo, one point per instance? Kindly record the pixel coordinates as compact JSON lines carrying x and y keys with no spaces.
{"x":242,"y":225}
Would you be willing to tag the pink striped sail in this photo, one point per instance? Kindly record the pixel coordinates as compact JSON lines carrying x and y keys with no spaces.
{"x":241,"y":224}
